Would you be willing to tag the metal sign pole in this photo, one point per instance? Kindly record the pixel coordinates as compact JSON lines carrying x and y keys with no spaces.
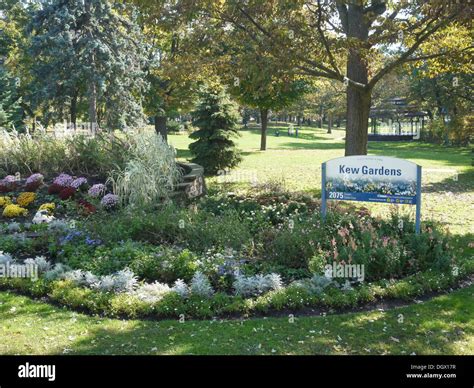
{"x":323,"y":190}
{"x":418,"y":199}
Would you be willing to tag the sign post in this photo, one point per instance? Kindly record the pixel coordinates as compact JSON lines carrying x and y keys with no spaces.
{"x":372,"y":179}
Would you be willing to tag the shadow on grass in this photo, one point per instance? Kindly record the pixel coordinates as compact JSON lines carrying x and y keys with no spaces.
{"x":420,"y":150}
{"x":431,"y":327}
{"x":456,"y":183}
{"x":312,"y":146}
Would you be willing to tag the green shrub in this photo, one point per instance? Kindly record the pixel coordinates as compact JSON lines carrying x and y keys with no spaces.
{"x":217,"y":118}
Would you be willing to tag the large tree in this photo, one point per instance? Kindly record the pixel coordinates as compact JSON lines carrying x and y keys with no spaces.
{"x":356,"y":42}
{"x":88,"y":49}
{"x":257,"y":82}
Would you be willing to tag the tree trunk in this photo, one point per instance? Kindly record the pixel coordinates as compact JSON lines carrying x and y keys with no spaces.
{"x":329,"y":122}
{"x":358,"y":99}
{"x":73,"y":110}
{"x":263,"y":138}
{"x":93,"y":106}
{"x":160,"y":127}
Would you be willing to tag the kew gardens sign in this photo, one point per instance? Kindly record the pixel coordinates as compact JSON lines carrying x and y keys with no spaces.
{"x":372,"y":179}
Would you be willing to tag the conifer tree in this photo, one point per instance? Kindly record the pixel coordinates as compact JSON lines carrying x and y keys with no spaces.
{"x":217,"y":118}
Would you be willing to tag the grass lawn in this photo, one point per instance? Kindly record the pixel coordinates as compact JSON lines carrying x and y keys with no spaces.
{"x":448,"y":177}
{"x":444,"y":325}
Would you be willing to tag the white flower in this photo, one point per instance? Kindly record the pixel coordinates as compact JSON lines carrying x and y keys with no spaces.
{"x":42,"y":217}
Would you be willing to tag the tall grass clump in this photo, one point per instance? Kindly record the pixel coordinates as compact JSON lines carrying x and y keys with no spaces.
{"x":26,"y":154}
{"x":150,"y":174}
{"x":75,"y":154}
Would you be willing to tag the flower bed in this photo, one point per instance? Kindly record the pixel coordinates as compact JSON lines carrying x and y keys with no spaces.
{"x":35,"y":201}
{"x":226,"y":255}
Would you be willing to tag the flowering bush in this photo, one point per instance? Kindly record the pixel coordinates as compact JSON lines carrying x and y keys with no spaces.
{"x":4,"y":201}
{"x":25,"y":199}
{"x":8,"y":184}
{"x":49,"y":207}
{"x":34,"y":181}
{"x":12,"y":211}
{"x":110,"y":201}
{"x":67,"y":193}
{"x":54,"y":189}
{"x":86,"y":207}
{"x":42,"y":217}
{"x":97,"y":190}
{"x":79,"y":183}
{"x":63,"y":180}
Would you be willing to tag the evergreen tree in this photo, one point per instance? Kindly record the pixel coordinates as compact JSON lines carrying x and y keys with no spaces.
{"x":217,"y":118}
{"x":89,"y":50}
{"x":10,"y":109}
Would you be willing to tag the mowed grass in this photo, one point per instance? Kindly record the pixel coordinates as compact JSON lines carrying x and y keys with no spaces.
{"x":443,"y":325}
{"x":448,"y":176}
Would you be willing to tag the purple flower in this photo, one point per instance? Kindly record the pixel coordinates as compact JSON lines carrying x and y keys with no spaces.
{"x":34,"y":178}
{"x":9,"y":180}
{"x":78,"y":182}
{"x":63,"y":180}
{"x":110,"y":201}
{"x":97,"y":190}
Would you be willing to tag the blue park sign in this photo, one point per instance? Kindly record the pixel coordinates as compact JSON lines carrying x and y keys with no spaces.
{"x":372,"y":179}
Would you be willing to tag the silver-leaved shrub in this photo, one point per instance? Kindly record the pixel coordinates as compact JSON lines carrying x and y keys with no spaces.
{"x":256,"y":285}
{"x":200,"y":285}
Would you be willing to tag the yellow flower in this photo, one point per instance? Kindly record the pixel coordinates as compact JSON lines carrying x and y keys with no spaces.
{"x":4,"y":201}
{"x":12,"y":211}
{"x":24,"y":199}
{"x":48,"y":206}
